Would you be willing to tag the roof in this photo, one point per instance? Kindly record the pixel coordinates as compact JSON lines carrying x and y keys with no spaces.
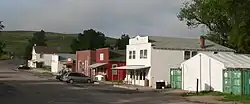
{"x":174,"y":43}
{"x":117,"y":55}
{"x":231,"y":60}
{"x":132,"y":67}
{"x":97,"y":65}
{"x":46,"y":49}
{"x":65,"y":56}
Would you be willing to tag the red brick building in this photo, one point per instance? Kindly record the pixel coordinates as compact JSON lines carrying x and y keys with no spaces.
{"x":101,"y":61}
{"x":83,"y":60}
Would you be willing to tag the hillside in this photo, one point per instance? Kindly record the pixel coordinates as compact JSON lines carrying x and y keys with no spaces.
{"x":17,"y":40}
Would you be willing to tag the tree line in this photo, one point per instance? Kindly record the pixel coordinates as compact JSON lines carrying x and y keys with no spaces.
{"x":227,"y":21}
{"x":88,"y":40}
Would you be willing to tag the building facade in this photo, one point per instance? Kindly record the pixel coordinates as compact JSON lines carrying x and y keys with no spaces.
{"x":150,"y":58}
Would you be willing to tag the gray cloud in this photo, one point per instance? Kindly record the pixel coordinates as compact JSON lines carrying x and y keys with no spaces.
{"x":112,"y":17}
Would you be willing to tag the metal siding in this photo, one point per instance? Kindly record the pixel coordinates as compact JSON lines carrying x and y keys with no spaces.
{"x":175,"y":78}
{"x":232,"y":81}
{"x":246,"y":82}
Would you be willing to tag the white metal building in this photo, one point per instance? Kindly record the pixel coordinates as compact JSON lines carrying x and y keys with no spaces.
{"x":208,"y":69}
{"x":149,"y":58}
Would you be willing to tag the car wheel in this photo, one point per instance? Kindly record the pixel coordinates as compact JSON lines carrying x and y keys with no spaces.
{"x":88,"y":81}
{"x":71,"y":81}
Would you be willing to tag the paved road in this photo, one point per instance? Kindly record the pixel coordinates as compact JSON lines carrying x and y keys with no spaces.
{"x":25,"y":88}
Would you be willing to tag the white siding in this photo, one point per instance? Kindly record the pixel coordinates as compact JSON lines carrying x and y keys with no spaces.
{"x":136,"y":44}
{"x":200,"y":67}
{"x":162,"y":61}
{"x":55,"y":64}
{"x":46,"y":59}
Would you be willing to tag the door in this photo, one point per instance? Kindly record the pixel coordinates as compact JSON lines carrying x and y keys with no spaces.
{"x":175,"y":78}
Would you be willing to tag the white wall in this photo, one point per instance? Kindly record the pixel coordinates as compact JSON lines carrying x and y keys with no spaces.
{"x":200,"y":67}
{"x":46,"y":59}
{"x":136,"y":44}
{"x":162,"y":61}
{"x":55,"y":64}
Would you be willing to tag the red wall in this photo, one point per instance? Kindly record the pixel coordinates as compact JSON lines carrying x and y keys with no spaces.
{"x":105,"y":51}
{"x":121,"y":73}
{"x":87,"y":58}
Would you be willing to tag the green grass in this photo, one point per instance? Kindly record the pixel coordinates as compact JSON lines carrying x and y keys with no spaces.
{"x":245,"y":99}
{"x":17,"y":40}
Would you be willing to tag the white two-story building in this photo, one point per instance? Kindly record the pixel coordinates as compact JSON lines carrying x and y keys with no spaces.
{"x":42,"y":54}
{"x":150,"y":58}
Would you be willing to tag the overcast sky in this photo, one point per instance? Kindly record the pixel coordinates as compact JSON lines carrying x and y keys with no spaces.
{"x":112,"y":17}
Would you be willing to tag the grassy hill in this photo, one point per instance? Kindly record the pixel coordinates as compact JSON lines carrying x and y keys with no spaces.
{"x":17,"y":40}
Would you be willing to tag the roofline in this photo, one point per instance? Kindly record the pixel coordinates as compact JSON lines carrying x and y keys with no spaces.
{"x":194,"y":49}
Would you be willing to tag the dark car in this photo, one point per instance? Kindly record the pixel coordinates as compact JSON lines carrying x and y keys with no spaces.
{"x":76,"y":77}
{"x":24,"y":67}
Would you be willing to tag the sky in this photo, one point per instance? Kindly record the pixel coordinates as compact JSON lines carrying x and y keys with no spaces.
{"x":112,"y":17}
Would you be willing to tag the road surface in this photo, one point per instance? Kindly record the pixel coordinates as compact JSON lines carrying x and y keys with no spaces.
{"x":25,"y":88}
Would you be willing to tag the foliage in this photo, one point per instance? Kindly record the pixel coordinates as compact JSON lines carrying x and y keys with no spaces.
{"x":1,"y":26}
{"x":17,"y":40}
{"x":89,"y":40}
{"x":39,"y":38}
{"x":226,"y":19}
{"x":2,"y":44}
{"x":122,"y":42}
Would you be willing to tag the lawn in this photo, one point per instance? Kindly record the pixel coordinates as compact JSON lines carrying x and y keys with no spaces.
{"x":245,"y":99}
{"x":17,"y":40}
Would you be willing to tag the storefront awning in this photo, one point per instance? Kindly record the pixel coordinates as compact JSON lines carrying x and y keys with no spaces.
{"x":131,"y":67}
{"x":97,"y":65}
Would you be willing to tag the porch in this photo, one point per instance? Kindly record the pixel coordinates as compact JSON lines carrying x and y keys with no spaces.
{"x":99,"y":71}
{"x":136,"y":74}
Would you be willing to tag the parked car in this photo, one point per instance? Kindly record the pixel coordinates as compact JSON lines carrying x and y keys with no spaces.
{"x":72,"y":77}
{"x":24,"y":67}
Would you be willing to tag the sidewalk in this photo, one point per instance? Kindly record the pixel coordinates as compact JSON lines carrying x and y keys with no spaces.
{"x":134,"y":87}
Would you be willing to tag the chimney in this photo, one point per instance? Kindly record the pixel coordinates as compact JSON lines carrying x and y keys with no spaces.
{"x":202,"y":41}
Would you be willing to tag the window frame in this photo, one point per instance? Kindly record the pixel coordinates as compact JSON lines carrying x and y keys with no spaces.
{"x":130,"y":55}
{"x":145,"y":53}
{"x":41,"y":55}
{"x":186,"y":57}
{"x":114,"y":72}
{"x":133,"y":54}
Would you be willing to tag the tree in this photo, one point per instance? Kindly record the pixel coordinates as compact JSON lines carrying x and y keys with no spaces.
{"x":226,"y":19}
{"x":2,"y":44}
{"x":1,"y":26}
{"x":39,"y":38}
{"x":88,"y":40}
{"x":122,"y":42}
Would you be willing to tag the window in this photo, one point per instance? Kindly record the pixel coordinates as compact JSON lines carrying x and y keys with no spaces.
{"x":141,"y":54}
{"x":194,"y":53}
{"x":145,"y":53}
{"x":215,"y":52}
{"x":186,"y":55}
{"x":101,"y":57}
{"x":114,"y":72}
{"x":130,"y":54}
{"x":137,"y":74}
{"x":41,"y":55}
{"x":144,"y":75}
{"x":133,"y":55}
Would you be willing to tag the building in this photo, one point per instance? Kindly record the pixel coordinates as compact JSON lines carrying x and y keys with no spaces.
{"x":62,"y":61}
{"x":224,"y":72}
{"x":107,"y":59}
{"x":150,"y":58}
{"x":41,"y":56}
{"x":83,"y":60}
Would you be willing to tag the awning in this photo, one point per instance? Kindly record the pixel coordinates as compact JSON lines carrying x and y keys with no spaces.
{"x":97,"y":65}
{"x":132,"y":67}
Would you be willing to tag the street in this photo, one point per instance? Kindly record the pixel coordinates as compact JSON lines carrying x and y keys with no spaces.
{"x":18,"y":87}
